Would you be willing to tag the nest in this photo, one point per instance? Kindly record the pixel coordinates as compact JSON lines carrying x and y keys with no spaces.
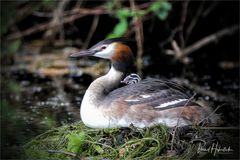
{"x":79,"y":142}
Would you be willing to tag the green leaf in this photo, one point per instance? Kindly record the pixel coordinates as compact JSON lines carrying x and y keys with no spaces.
{"x":140,"y":13}
{"x":124,"y":13}
{"x":75,"y":142}
{"x":109,"y":4}
{"x":119,"y":29}
{"x":162,"y":15}
{"x":8,"y":11}
{"x":160,"y":9}
{"x":166,"y":5}
{"x":155,"y":6}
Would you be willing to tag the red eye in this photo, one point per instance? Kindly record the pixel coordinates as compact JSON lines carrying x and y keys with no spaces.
{"x":103,"y":47}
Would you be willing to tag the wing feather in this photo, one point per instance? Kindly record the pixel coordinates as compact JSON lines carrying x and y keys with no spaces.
{"x":154,"y":93}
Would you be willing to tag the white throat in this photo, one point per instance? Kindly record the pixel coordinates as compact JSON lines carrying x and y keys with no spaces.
{"x":94,"y":96}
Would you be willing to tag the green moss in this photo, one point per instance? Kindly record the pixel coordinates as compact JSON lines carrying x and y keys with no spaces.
{"x":80,"y":141}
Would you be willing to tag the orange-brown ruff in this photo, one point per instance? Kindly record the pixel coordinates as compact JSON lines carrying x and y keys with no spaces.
{"x":146,"y":103}
{"x":122,"y":52}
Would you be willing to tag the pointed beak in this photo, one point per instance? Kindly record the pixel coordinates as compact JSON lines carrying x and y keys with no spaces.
{"x":83,"y":53}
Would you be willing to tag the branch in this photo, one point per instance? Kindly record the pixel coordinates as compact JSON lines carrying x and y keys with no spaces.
{"x":68,"y":16}
{"x":139,"y":37}
{"x":170,"y":37}
{"x":201,"y":90}
{"x":209,"y":39}
{"x":41,"y":27}
{"x":178,"y":121}
{"x":56,"y":19}
{"x":203,"y":121}
{"x":194,"y":20}
{"x":210,"y":8}
{"x":183,"y":53}
{"x":91,"y":32}
{"x":182,"y":22}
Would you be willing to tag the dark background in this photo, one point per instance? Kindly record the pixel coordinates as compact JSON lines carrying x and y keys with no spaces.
{"x":32,"y":103}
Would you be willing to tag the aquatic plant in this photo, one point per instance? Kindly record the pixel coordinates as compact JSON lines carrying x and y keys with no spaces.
{"x":78,"y":141}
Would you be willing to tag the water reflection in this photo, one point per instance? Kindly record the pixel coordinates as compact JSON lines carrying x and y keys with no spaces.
{"x":32,"y":104}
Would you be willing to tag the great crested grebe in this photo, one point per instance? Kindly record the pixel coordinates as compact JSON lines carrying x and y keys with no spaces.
{"x":142,"y":104}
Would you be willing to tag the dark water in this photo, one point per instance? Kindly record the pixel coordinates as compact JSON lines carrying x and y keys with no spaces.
{"x":32,"y":104}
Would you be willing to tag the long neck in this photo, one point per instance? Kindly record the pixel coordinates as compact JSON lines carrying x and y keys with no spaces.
{"x":121,"y":61}
{"x":103,"y":85}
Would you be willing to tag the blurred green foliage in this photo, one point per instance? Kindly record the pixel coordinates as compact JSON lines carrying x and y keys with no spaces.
{"x":7,"y":112}
{"x":13,"y":46}
{"x":8,"y":10}
{"x":122,"y":25}
{"x":11,"y":130}
{"x":48,"y":121}
{"x":13,"y":87}
{"x":48,"y":4}
{"x":11,"y":14}
{"x":160,"y":8}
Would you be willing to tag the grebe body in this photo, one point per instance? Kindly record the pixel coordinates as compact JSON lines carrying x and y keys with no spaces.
{"x":145,"y":103}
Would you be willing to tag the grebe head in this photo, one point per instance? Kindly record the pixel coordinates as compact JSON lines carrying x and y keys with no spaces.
{"x":113,"y":49}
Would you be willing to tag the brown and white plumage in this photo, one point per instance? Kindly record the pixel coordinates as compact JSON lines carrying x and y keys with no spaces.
{"x":146,"y":103}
